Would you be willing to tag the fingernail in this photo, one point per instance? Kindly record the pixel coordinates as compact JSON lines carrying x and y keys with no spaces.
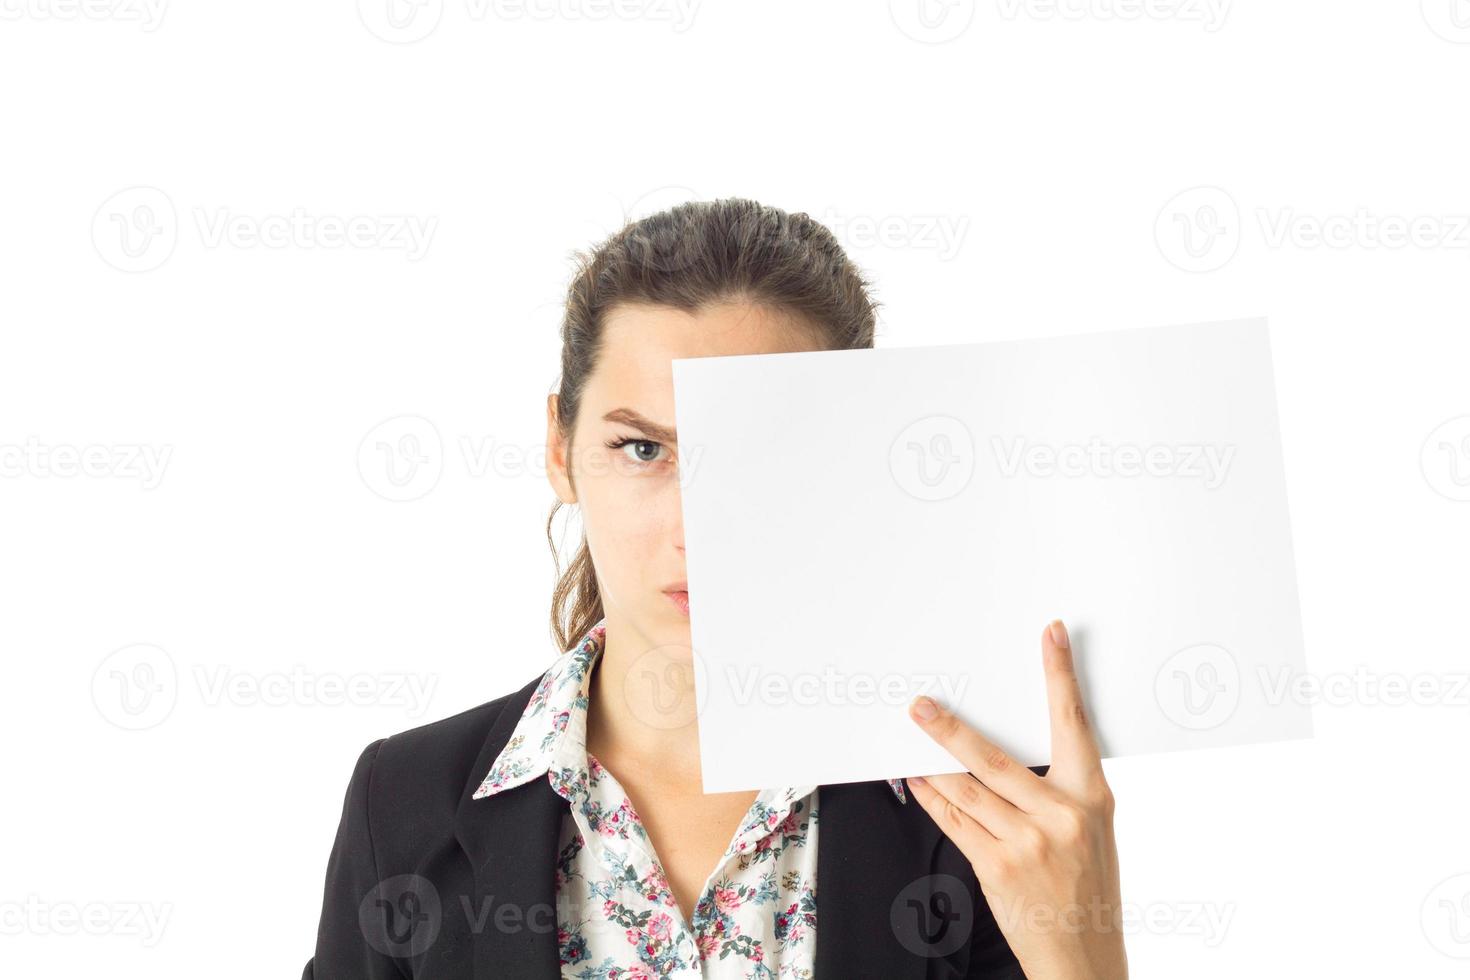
{"x":1059,"y":634}
{"x":925,"y":709}
{"x":916,"y":780}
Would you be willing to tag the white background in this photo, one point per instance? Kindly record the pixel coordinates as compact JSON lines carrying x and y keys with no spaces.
{"x":1060,"y":146}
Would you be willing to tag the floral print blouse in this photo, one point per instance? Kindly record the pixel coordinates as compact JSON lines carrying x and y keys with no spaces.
{"x":756,"y":917}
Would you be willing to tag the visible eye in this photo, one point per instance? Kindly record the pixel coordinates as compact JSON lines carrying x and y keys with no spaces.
{"x":638,"y":450}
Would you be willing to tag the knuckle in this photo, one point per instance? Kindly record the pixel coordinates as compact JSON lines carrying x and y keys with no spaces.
{"x":1002,"y":870}
{"x":1072,"y":824}
{"x":947,"y":725}
{"x":954,"y":818}
{"x":996,"y":760}
{"x":1032,"y":842}
{"x":1103,"y":800}
{"x":969,"y":792}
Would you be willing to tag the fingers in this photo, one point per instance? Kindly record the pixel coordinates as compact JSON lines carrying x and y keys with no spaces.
{"x":985,"y":760}
{"x":981,"y":803}
{"x":1072,"y":739}
{"x":978,"y":845}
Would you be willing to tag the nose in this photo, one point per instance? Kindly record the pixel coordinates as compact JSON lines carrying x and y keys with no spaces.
{"x":678,"y":522}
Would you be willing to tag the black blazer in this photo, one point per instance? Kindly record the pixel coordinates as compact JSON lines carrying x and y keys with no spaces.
{"x":424,"y":882}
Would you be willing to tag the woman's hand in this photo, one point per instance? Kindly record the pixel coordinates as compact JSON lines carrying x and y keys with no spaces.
{"x":1042,"y":847}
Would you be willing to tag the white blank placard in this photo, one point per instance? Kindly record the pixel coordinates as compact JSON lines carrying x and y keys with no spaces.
{"x":862,"y":526}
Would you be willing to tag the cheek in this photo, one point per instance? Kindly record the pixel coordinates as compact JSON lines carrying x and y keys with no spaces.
{"x":630,"y":521}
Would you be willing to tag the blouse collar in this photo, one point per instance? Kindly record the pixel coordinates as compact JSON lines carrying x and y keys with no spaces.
{"x":551,"y":735}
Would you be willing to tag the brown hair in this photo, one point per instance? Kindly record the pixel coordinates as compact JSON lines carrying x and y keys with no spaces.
{"x":689,"y":257}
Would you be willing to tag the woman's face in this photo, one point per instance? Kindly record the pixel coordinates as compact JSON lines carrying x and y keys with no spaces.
{"x":629,"y":493}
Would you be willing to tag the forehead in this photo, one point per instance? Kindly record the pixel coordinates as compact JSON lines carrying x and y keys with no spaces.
{"x":639,"y":342}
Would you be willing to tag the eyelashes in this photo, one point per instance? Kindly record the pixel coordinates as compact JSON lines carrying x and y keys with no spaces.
{"x":626,"y":441}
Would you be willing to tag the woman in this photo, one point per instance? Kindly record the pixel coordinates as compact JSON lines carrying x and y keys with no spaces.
{"x":561,"y":830}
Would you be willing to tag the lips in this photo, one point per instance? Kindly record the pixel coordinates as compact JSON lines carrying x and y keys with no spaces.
{"x":678,"y":594}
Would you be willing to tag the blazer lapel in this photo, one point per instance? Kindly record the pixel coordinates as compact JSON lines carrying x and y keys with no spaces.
{"x":511,"y":840}
{"x":869,"y":849}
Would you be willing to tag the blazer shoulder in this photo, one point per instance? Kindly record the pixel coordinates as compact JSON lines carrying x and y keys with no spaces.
{"x":399,"y":818}
{"x":413,"y":781}
{"x":451,"y":737}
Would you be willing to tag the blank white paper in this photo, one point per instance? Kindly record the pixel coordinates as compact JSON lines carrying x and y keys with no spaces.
{"x":864,"y":526}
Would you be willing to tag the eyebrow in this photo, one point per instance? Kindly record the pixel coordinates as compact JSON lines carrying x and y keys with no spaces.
{"x":653,"y":430}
